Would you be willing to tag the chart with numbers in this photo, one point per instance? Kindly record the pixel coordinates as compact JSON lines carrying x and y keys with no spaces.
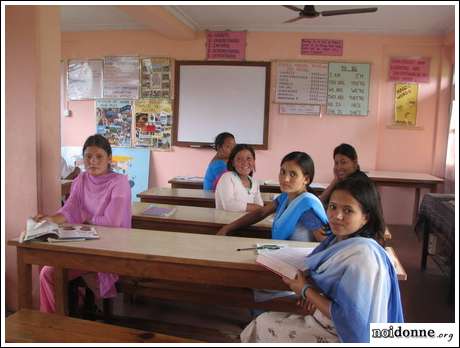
{"x":348,"y":89}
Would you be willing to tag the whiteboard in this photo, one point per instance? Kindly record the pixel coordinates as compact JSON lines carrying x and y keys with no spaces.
{"x":214,"y":97}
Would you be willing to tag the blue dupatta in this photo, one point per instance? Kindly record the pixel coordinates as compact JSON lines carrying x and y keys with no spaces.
{"x":358,"y":277}
{"x":286,"y":218}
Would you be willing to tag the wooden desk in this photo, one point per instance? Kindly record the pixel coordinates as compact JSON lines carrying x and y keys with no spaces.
{"x":406,"y":179}
{"x":270,"y":186}
{"x":196,"y":220}
{"x":189,"y":197}
{"x":184,"y":257}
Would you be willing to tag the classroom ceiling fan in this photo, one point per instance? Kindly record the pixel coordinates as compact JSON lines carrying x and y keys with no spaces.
{"x":309,"y":11}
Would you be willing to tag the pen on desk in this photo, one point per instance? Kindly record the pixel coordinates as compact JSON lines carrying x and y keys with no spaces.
{"x":260,"y":247}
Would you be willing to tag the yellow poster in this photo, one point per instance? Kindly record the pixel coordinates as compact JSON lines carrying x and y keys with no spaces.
{"x":406,"y":103}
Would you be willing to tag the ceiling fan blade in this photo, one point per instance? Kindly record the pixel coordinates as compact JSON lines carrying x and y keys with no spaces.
{"x":293,"y":8}
{"x":349,"y":11}
{"x":294,"y":19}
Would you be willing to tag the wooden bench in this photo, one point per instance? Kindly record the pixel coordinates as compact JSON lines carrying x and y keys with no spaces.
{"x":402,"y":275}
{"x":30,"y":326}
{"x":202,"y":294}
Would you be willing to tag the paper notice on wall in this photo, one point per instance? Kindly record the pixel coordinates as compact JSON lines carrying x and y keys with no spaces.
{"x":406,"y":103}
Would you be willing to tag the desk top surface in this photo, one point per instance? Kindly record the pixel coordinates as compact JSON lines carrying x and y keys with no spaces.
{"x":191,"y":193}
{"x":373,"y":174}
{"x":171,"y":247}
{"x":197,"y":214}
{"x":195,"y":180}
{"x":402,"y":176}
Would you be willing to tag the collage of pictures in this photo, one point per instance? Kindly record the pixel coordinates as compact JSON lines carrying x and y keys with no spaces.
{"x":152,"y":112}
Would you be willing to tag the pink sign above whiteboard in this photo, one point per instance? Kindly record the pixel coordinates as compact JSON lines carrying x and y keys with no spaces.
{"x":410,"y":69}
{"x":322,"y":47}
{"x":226,"y":45}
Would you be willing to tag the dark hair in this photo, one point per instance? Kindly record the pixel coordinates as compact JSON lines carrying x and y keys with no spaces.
{"x":99,"y":141}
{"x":348,"y":151}
{"x":220,"y":139}
{"x":238,"y":148}
{"x":364,"y":191}
{"x":304,"y":161}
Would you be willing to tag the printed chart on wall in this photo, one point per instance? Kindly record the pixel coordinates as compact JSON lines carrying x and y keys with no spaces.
{"x":406,"y":103}
{"x":84,"y":79}
{"x":153,"y":123}
{"x":131,"y":162}
{"x":301,"y":83}
{"x":113,"y":120}
{"x":348,"y":89}
{"x":155,"y":78}
{"x":121,"y":77}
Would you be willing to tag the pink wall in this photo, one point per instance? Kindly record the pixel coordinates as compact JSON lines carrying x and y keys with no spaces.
{"x":32,"y":124}
{"x":379,"y":147}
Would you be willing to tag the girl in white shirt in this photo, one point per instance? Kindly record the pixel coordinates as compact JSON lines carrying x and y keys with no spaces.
{"x":236,"y":190}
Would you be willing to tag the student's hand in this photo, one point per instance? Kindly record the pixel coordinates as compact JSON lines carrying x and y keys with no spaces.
{"x":40,"y":217}
{"x":297,"y":283}
{"x":252,"y":207}
{"x":222,"y":232}
{"x":57,"y":219}
{"x":307,"y":307}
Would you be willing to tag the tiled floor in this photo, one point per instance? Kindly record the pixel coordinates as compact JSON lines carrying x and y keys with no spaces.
{"x":424,"y":296}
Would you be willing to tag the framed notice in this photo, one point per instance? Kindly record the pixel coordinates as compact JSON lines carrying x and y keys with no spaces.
{"x":348,"y":89}
{"x":84,"y":79}
{"x":155,"y":78}
{"x":121,"y":77}
{"x":301,"y":83}
{"x":406,"y":104}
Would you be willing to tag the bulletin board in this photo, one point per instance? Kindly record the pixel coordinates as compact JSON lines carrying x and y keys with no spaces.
{"x":221,"y":96}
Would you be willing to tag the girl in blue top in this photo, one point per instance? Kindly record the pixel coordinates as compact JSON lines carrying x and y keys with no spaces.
{"x":350,"y":281}
{"x":299,"y":215}
{"x":224,"y":143}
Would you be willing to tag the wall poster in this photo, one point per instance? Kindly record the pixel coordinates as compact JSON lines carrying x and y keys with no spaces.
{"x":406,"y":103}
{"x":113,"y":120}
{"x":226,"y":45}
{"x":84,"y":79}
{"x":134,"y":163}
{"x":153,"y":123}
{"x":155,"y":78}
{"x":121,"y":77}
{"x":348,"y":89}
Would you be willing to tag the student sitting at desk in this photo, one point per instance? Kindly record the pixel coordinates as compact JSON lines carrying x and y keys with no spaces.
{"x":345,"y":164}
{"x":99,"y":197}
{"x":224,"y":143}
{"x":236,"y":189}
{"x":350,"y":281}
{"x":299,"y":215}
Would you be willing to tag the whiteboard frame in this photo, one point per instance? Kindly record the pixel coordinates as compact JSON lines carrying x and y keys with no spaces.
{"x":176,"y":116}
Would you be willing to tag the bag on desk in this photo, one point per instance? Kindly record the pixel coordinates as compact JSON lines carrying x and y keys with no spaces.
{"x":49,"y":231}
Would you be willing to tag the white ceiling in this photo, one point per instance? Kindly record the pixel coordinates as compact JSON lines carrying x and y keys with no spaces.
{"x":390,"y":19}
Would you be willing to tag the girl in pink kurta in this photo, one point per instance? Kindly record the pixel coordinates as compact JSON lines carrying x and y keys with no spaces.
{"x":99,"y":197}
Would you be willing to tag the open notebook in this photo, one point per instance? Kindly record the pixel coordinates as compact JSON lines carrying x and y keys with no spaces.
{"x":51,"y":232}
{"x":285,"y":261}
